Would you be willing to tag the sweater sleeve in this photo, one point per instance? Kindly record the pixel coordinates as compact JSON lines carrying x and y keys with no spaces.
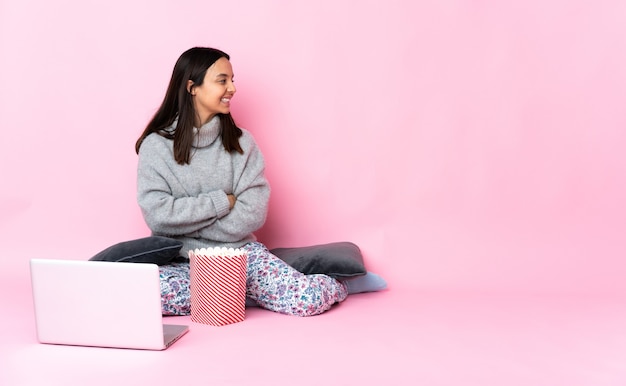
{"x":164,"y":213}
{"x":252,"y":191}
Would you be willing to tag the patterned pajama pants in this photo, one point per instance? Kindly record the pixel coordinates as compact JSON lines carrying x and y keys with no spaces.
{"x":271,"y":283}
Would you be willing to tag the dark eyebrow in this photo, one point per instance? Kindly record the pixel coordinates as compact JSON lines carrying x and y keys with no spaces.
{"x":224,"y":75}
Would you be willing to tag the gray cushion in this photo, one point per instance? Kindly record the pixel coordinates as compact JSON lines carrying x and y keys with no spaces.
{"x":153,"y":249}
{"x":340,"y":259}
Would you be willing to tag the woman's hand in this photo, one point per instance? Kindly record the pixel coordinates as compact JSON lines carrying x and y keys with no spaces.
{"x":231,"y":199}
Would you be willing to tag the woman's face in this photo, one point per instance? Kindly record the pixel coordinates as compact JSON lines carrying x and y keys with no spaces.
{"x":215,"y":93}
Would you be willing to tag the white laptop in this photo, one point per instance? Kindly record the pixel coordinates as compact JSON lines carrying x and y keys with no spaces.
{"x":103,"y":304}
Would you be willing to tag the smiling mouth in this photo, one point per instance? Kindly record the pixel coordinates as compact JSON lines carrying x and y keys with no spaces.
{"x":225,"y":100}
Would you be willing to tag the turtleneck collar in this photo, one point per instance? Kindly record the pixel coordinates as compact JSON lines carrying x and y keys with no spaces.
{"x":207,"y":134}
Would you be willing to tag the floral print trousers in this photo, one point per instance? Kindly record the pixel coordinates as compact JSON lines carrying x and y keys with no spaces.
{"x":271,"y":283}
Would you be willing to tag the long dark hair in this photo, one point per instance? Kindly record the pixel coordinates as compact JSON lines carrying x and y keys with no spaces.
{"x":178,"y":103}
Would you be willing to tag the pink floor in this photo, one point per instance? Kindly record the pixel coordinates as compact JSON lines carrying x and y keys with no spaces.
{"x":396,"y":337}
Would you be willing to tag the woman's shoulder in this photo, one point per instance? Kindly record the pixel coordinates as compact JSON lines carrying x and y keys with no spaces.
{"x":247,"y":139}
{"x":155,"y":143}
{"x":156,"y":139}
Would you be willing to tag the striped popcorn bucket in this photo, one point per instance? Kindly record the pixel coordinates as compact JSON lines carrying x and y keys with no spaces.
{"x":218,"y":285}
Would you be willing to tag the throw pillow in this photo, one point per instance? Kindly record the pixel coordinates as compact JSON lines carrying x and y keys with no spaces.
{"x":153,"y":249}
{"x":338,"y":260}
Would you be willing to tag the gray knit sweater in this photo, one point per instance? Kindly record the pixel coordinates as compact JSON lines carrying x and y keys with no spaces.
{"x":189,"y":202}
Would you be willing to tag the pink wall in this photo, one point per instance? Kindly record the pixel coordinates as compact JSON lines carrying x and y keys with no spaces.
{"x":464,"y":145}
